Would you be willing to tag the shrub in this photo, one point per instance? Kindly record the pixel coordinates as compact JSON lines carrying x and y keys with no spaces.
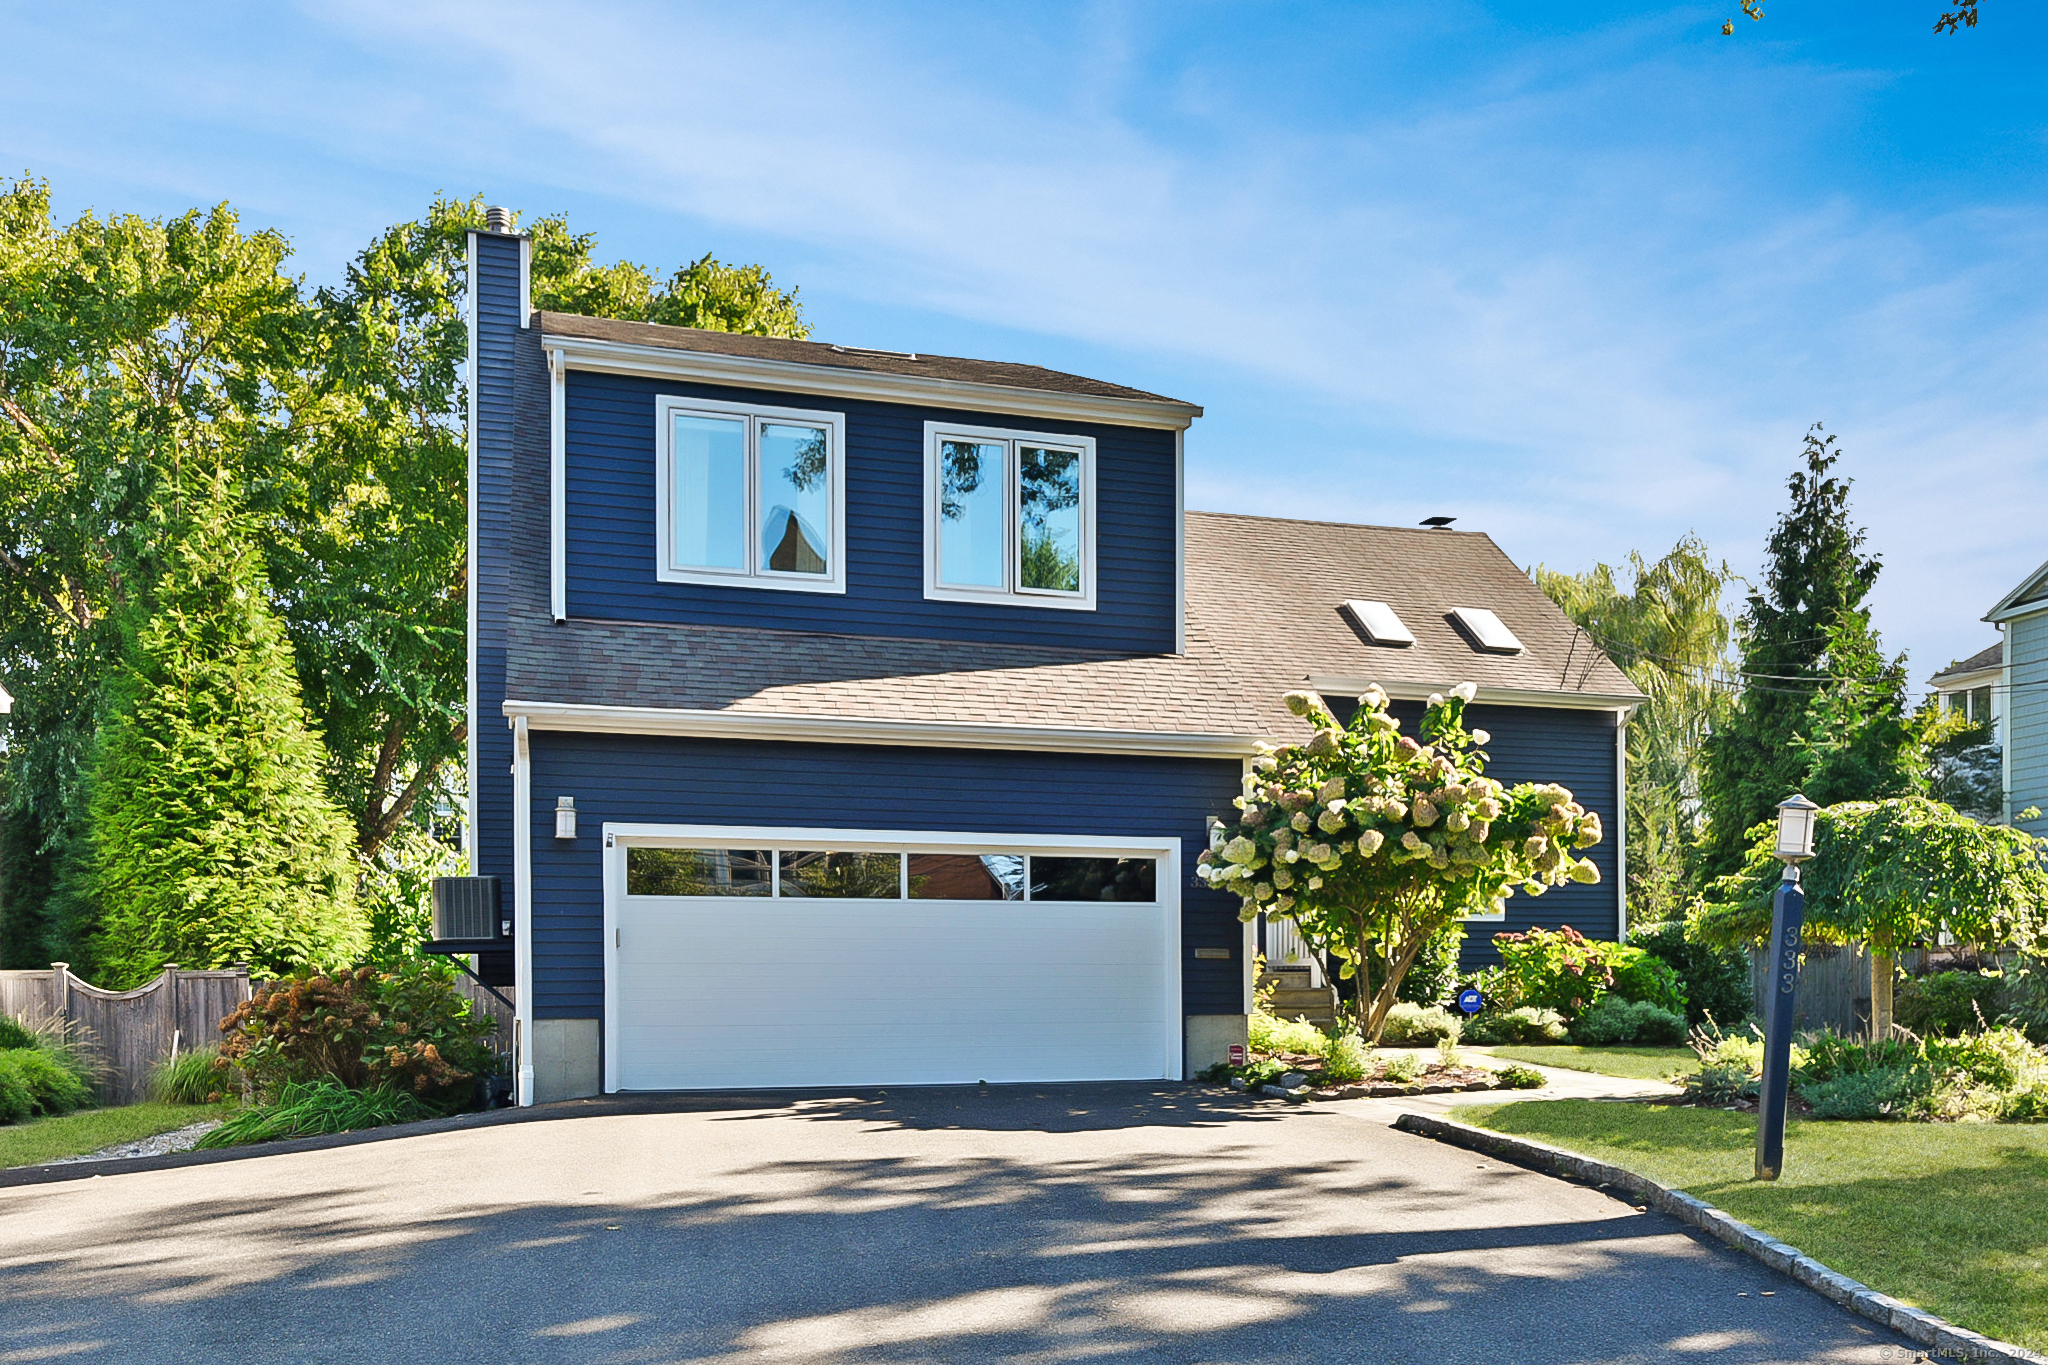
{"x":1403,"y":1069}
{"x":1433,"y":976}
{"x":312,"y":1108}
{"x":1715,"y":980}
{"x":1519,"y":1078}
{"x":1347,"y":1059}
{"x":1643,"y":977}
{"x":363,"y":1028}
{"x":1946,"y":1003}
{"x":1268,"y":1034}
{"x":1527,"y":1024}
{"x":1562,"y":970}
{"x":2001,"y":1058}
{"x":54,"y":1087}
{"x":1828,"y":1055}
{"x":1409,"y":1025}
{"x":17,"y":1101}
{"x":192,"y":1077}
{"x":1499,"y":990}
{"x":1447,"y":1055}
{"x":1888,"y":1092}
{"x":1614,"y":1020}
{"x":14,"y":1033}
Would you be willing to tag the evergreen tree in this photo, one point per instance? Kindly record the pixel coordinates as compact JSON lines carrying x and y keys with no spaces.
{"x":212,"y":839}
{"x":1821,"y":709}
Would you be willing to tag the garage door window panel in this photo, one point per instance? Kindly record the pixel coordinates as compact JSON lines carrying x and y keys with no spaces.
{"x":966,"y":876}
{"x":1094,"y":879}
{"x":699,"y":872}
{"x":817,"y":874}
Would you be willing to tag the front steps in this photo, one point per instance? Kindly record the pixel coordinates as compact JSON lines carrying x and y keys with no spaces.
{"x":1294,"y":998}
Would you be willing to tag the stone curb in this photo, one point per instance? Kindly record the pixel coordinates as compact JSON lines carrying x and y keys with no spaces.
{"x":1946,"y":1339}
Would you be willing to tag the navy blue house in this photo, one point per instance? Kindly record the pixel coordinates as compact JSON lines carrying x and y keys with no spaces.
{"x":843,"y":716}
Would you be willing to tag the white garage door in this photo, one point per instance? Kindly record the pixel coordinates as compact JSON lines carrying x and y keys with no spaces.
{"x":795,"y":966}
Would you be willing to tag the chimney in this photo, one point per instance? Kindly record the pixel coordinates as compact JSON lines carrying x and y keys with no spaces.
{"x":497,"y":220}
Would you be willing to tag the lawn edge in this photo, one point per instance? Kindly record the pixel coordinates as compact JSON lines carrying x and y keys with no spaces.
{"x":1913,"y":1323}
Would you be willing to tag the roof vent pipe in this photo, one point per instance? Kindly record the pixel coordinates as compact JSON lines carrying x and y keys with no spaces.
{"x":497,"y":219}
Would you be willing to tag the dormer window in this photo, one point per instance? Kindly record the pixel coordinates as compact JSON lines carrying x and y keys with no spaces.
{"x":1009,"y":517}
{"x":1487,"y":632}
{"x":750,"y":496}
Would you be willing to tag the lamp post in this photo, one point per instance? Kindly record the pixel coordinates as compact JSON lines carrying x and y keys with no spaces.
{"x":1788,"y":916}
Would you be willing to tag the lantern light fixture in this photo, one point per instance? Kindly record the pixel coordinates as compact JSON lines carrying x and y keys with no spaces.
{"x":565,"y":817}
{"x":1795,"y":829}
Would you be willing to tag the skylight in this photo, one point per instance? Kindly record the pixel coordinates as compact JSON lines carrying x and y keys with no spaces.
{"x":1380,"y":624}
{"x":1487,"y":631}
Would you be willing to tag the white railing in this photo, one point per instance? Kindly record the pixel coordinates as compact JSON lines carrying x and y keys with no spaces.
{"x":1284,"y":948}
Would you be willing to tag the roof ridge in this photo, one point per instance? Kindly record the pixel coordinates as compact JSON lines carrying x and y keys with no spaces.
{"x":1345,"y":525}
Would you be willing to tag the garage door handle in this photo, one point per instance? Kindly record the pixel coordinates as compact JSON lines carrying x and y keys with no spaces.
{"x":615,"y":938}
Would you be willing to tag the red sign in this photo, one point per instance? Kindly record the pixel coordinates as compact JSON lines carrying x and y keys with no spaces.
{"x":1237,"y":1054}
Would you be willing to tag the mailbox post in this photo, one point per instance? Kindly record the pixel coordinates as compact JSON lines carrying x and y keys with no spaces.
{"x":1788,"y":916}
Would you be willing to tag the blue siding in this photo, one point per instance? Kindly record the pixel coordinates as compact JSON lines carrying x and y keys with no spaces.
{"x":1545,"y":744}
{"x":611,"y":550}
{"x":497,"y":380}
{"x":644,"y":780}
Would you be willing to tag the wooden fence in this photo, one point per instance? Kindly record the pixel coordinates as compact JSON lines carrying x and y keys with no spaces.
{"x":136,"y":1031}
{"x":1834,"y":987}
{"x":133,"y":1031}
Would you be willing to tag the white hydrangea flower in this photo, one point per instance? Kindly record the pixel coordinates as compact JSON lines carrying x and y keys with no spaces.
{"x":1375,"y":698}
{"x":1240,"y":850}
{"x":1315,"y":883}
{"x":1464,"y":691}
{"x":1370,"y":841}
{"x":1481,"y":737}
{"x":1436,"y":699}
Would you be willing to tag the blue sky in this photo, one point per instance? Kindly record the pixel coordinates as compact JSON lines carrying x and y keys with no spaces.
{"x":1580,"y":275}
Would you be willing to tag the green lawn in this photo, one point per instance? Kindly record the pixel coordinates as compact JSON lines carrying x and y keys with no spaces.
{"x":1635,"y":1063}
{"x":88,"y":1130}
{"x":1949,"y":1217}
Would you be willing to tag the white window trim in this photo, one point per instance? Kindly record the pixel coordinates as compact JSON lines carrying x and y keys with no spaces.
{"x":1009,"y":594}
{"x":618,"y":837}
{"x":665,"y":568}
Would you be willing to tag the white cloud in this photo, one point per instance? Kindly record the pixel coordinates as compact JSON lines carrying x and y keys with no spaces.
{"x":1586,"y":291}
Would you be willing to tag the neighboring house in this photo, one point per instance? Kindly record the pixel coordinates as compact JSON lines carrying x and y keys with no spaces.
{"x":2019,"y":697}
{"x":1975,"y":687}
{"x":852,"y":717}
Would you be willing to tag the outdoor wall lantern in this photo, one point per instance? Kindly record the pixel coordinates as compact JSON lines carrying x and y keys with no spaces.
{"x":565,"y":817}
{"x":1788,"y":917}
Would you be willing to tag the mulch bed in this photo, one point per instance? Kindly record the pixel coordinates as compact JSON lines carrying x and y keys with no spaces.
{"x":1434,"y":1080}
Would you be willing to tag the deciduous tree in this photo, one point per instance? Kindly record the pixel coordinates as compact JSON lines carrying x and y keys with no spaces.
{"x":1372,"y":841}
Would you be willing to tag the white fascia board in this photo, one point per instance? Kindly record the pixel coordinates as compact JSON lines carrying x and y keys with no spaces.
{"x":839,"y":837}
{"x":618,"y":357}
{"x":637,"y":720}
{"x":2010,"y":606}
{"x":1976,"y":677}
{"x":1339,"y":686}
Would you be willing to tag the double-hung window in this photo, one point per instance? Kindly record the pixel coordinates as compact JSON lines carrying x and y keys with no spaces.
{"x":1009,"y":517}
{"x":750,"y":495}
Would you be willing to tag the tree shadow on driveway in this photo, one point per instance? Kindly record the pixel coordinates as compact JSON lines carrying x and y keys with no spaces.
{"x":1041,"y":1229}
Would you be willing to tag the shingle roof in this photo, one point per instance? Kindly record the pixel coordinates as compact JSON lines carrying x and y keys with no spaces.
{"x":1269,"y":593}
{"x":1991,"y":657}
{"x":1263,"y":606}
{"x":919,"y":365}
{"x":748,"y":671}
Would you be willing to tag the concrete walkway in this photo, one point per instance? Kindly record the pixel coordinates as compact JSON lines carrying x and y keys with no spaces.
{"x":1031,"y":1223}
{"x":1560,"y":1084}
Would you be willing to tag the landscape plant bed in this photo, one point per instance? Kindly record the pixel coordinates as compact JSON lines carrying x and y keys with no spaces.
{"x":1948,"y":1217}
{"x":1383,"y":1080}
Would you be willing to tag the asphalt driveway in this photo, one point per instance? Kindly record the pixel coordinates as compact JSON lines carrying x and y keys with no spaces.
{"x":1042,"y":1224}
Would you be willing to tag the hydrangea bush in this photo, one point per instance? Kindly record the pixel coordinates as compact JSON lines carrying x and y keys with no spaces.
{"x":1370,"y":840}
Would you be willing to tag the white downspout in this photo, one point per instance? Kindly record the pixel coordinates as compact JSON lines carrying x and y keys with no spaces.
{"x":522,"y":907}
{"x":1621,"y":720}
